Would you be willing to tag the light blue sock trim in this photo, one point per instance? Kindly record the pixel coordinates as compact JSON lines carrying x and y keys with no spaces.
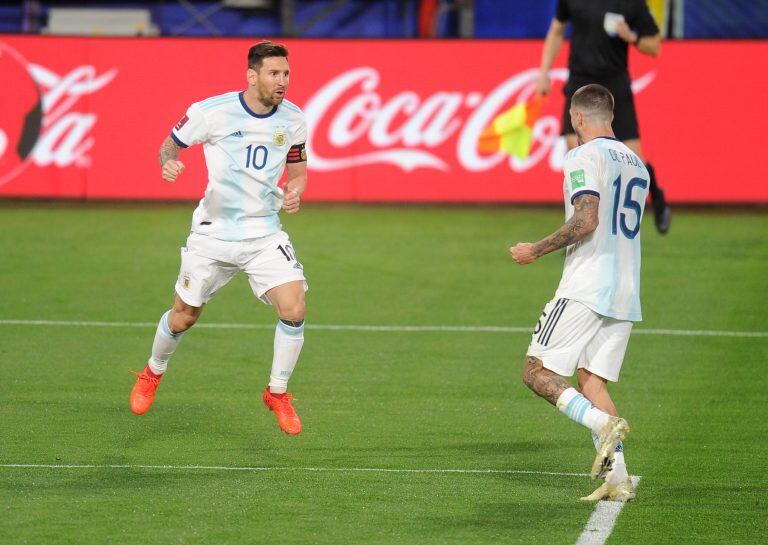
{"x":581,"y":410}
{"x":167,"y":328}
{"x":577,"y":408}
{"x":580,"y":414}
{"x":290,"y":330}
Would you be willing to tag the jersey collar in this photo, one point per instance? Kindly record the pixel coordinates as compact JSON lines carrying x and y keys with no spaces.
{"x":606,"y":137}
{"x":251,"y":112}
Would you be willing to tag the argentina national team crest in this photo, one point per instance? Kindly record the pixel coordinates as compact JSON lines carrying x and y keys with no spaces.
{"x":279,"y":137}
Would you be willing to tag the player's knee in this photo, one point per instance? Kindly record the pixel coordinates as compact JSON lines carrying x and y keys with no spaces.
{"x":293,"y":311}
{"x":180,"y":321}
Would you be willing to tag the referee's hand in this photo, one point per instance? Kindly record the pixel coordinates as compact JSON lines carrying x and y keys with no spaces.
{"x":543,"y":84}
{"x":625,"y":33}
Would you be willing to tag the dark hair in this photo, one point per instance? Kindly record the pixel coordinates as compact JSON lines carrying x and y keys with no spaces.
{"x":593,"y":99}
{"x":262,"y":50}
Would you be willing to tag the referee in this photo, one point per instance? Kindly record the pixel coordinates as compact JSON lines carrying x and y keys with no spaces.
{"x":602,"y":31}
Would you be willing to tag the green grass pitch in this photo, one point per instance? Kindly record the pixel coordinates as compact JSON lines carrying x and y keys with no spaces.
{"x":416,"y":400}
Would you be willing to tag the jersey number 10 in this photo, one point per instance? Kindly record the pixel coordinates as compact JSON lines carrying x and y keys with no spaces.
{"x":257,"y":157}
{"x":629,"y":204}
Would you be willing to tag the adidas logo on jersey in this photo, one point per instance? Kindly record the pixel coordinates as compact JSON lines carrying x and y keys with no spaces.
{"x":238,"y":134}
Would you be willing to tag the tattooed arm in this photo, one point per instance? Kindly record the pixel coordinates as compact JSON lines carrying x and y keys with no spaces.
{"x":582,"y":223}
{"x":169,"y":160}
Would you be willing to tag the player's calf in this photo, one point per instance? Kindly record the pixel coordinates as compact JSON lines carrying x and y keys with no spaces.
{"x":560,"y":393}
{"x":543,"y":382}
{"x":183,"y":316}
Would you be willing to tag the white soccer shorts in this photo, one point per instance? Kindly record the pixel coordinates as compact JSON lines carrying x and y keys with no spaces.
{"x":207,"y":264}
{"x":569,"y":335}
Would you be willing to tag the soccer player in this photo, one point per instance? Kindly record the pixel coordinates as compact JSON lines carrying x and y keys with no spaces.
{"x":249,"y":138}
{"x":588,"y":323}
{"x":601,"y":33}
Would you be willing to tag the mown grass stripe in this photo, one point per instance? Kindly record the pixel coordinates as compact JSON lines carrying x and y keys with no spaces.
{"x":299,"y":469}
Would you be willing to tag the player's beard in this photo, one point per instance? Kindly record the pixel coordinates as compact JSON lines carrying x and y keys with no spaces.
{"x":269,"y":99}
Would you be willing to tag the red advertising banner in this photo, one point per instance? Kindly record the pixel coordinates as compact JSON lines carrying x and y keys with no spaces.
{"x":388,"y":120}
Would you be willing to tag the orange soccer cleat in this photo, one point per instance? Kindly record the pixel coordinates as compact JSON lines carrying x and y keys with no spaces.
{"x":143,"y":392}
{"x":280,"y":404}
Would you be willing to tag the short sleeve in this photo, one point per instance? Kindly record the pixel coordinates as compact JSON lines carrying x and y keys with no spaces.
{"x":191,"y":129}
{"x":300,"y":134}
{"x":562,"y":12}
{"x":642,"y":21}
{"x":581,"y":175}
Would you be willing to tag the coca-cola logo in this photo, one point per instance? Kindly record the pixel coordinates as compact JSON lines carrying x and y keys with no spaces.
{"x":20,"y":115}
{"x":66,"y":138}
{"x":410,"y":131}
{"x":37,"y":124}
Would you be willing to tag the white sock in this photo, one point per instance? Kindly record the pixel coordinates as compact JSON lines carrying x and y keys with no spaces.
{"x":618,"y":455}
{"x":164,"y":346}
{"x":619,"y":471}
{"x":617,"y":474}
{"x":578,"y":408}
{"x":288,"y":343}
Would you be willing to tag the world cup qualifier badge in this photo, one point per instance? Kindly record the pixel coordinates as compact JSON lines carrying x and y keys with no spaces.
{"x":182,"y":122}
{"x":21,"y":114}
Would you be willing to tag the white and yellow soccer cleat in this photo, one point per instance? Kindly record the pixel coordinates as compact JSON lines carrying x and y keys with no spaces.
{"x":622,"y":492}
{"x":615,"y":430}
{"x":602,"y":493}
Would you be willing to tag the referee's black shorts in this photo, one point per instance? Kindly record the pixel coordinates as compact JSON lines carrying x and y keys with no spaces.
{"x":624,"y":116}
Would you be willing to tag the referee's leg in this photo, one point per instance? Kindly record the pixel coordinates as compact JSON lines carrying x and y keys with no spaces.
{"x":662,"y":214}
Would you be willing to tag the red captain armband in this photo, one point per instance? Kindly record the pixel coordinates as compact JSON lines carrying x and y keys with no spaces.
{"x":297,"y":154}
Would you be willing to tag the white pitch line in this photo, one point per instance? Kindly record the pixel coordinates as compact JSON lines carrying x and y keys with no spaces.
{"x":603,"y":519}
{"x":305,"y":469}
{"x":396,"y":328}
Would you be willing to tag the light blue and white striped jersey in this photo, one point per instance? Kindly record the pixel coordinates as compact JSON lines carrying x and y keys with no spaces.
{"x":245,"y":154}
{"x":602,"y":270}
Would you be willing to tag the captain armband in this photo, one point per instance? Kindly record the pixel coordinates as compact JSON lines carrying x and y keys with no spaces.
{"x":297,"y":154}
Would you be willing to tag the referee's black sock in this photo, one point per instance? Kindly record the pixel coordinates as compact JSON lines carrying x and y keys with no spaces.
{"x":661,"y":213}
{"x":654,"y":189}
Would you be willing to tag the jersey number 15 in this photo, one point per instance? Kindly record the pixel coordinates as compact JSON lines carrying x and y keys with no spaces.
{"x":620,"y":220}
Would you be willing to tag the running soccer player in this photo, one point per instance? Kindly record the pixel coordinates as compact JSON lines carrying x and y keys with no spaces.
{"x":249,"y":138}
{"x":588,"y":323}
